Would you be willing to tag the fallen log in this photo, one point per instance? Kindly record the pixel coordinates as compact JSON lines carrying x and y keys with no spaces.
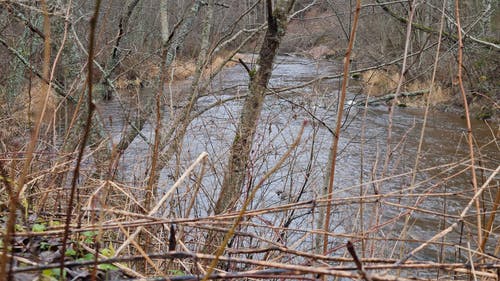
{"x":389,"y":97}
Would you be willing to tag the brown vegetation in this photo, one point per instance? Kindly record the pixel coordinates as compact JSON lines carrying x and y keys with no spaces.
{"x":244,"y":174}
{"x":31,"y":102}
{"x":181,"y":70}
{"x":380,"y":82}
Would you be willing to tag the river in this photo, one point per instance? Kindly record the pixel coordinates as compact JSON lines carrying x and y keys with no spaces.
{"x":441,"y":189}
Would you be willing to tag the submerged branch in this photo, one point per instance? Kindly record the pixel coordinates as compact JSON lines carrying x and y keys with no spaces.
{"x":391,"y":96}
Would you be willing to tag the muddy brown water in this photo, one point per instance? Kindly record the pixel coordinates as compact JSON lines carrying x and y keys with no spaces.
{"x":442,"y":167}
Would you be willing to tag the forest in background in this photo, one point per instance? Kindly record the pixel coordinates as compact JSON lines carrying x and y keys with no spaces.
{"x":166,"y":139}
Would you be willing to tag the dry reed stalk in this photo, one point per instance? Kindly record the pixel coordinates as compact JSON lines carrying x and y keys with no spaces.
{"x":469,"y":126}
{"x":150,"y":190}
{"x":427,"y":102}
{"x":155,"y":209}
{"x":389,"y":150}
{"x":340,"y":111}
{"x":86,"y":133}
{"x":489,"y":225}
{"x":455,"y":224}
{"x":297,"y":270}
{"x":380,"y":264}
{"x":142,"y":252}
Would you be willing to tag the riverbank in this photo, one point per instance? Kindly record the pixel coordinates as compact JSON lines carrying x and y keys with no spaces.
{"x":379,"y":85}
{"x":320,"y":34}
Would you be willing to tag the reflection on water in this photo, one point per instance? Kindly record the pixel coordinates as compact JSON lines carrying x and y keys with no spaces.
{"x":442,"y":168}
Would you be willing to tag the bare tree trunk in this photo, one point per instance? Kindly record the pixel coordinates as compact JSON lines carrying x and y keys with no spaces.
{"x":164,"y":22}
{"x":116,"y":54}
{"x":234,"y":176}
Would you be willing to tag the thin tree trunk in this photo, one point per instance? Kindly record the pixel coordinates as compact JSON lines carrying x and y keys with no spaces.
{"x":234,"y":176}
{"x":116,"y":54}
{"x":164,"y":22}
{"x":335,"y":142}
{"x":175,"y":42}
{"x":181,"y":124}
{"x":172,"y":139}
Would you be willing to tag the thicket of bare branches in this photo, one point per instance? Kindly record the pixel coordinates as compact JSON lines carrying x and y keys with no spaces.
{"x":188,"y":140}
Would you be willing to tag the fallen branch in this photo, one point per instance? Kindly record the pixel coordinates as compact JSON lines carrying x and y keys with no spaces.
{"x":389,"y":97}
{"x":153,"y":211}
{"x":272,"y":267}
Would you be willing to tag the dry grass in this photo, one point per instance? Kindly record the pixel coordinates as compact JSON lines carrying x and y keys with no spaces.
{"x":181,"y":70}
{"x":220,"y":60}
{"x":321,"y":51}
{"x":437,"y":96}
{"x":109,"y":210}
{"x":123,"y":83}
{"x":29,"y":103}
{"x":380,"y":82}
